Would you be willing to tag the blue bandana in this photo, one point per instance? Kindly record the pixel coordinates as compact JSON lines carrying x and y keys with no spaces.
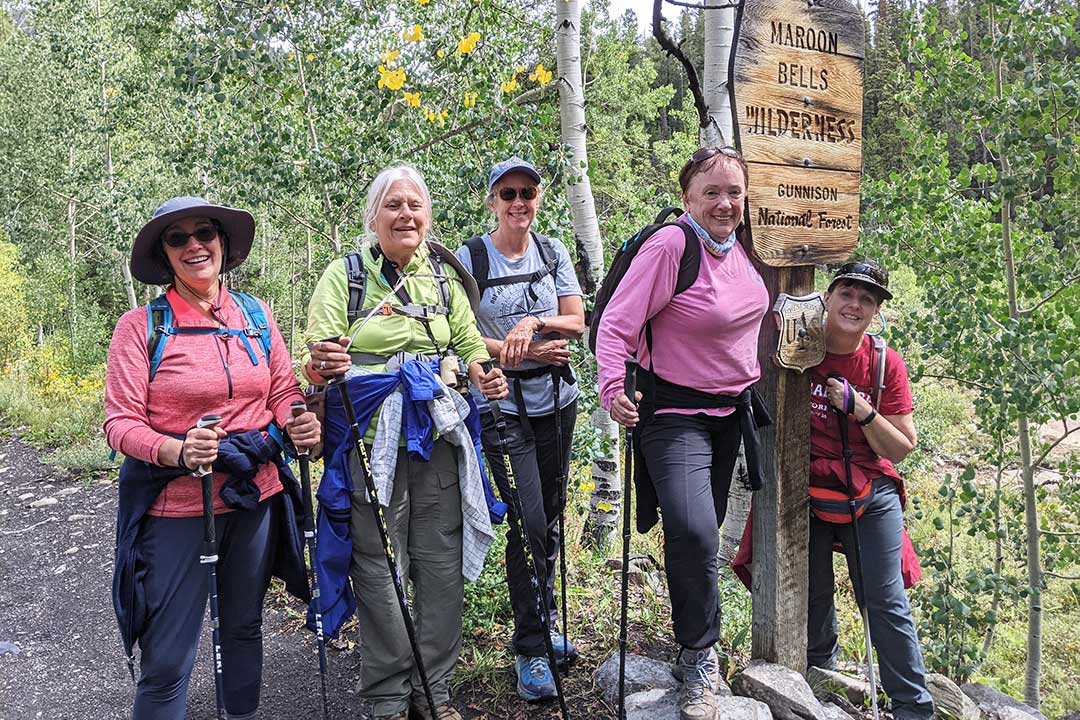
{"x":719,"y":249}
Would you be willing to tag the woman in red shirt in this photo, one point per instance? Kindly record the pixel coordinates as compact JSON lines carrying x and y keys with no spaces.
{"x":212,"y":358}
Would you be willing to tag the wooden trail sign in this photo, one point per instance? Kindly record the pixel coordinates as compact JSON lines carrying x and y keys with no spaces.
{"x":796,"y":83}
{"x":796,"y":94}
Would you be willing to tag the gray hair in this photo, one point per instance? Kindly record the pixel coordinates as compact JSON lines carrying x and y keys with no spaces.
{"x":380,"y":186}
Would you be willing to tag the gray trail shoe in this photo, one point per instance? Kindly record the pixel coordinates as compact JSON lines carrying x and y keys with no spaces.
{"x":700,"y":673}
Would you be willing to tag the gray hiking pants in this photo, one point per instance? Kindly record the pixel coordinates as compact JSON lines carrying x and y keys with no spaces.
{"x":903,"y":676}
{"x":424,"y":523}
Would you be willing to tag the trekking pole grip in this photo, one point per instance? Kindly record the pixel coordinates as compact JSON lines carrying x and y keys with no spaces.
{"x":493,"y":405}
{"x":207,"y":421}
{"x":298,"y":408}
{"x":630,"y":381}
{"x":206,"y":477}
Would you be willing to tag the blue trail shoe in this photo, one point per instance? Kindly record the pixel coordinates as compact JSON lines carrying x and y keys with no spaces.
{"x":565,"y":652}
{"x":534,"y":680}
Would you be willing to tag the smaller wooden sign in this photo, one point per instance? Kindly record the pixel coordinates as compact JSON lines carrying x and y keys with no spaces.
{"x":801,"y":321}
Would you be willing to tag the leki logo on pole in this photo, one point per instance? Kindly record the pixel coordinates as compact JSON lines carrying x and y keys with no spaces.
{"x":802,"y":339}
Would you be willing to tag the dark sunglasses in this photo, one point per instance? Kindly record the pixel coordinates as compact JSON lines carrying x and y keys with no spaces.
{"x":178,"y":239}
{"x":510,"y":194}
{"x":881,"y":277}
{"x":707,"y":152}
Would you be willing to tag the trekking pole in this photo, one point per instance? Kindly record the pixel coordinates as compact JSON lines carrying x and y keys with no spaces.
{"x":299,"y":408}
{"x":209,"y":557}
{"x":384,"y":535}
{"x":521,"y":529}
{"x":560,"y":479}
{"x":849,"y":405}
{"x":630,"y":388}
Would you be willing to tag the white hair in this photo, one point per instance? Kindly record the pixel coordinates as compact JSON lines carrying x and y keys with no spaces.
{"x":380,"y":187}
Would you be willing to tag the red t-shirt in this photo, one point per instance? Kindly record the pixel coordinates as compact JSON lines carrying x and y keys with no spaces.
{"x":859,"y":367}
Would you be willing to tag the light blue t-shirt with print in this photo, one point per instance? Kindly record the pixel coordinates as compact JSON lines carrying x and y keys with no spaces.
{"x":502,"y":306}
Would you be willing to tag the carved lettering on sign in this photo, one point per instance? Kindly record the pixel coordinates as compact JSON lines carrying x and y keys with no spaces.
{"x":797,"y":93}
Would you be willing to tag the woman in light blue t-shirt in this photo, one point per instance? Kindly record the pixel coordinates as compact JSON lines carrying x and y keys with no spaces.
{"x":530,"y":308}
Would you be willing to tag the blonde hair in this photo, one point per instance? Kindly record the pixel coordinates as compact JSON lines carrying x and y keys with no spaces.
{"x":380,"y":187}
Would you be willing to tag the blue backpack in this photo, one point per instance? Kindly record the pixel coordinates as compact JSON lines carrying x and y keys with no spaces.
{"x":159,"y":327}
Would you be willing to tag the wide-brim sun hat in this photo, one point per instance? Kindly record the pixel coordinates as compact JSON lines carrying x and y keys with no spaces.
{"x":147,"y":259}
{"x":866,"y":273}
{"x":512,"y":164}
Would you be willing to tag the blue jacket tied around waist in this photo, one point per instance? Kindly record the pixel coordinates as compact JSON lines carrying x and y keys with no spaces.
{"x":419,"y":384}
{"x":239,"y":455}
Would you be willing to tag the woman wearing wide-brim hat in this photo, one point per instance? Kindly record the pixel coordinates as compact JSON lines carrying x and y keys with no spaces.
{"x":197,"y":350}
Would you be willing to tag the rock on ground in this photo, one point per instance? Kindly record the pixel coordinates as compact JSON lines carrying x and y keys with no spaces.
{"x":826,"y":683}
{"x":658,"y":704}
{"x":785,"y":691}
{"x":643,"y":674}
{"x":999,"y":706}
{"x":949,"y":702}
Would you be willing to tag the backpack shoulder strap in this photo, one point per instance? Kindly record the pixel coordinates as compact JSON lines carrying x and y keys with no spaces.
{"x":880,"y":354}
{"x":690,"y":261}
{"x":447,"y":257}
{"x":438,"y":269}
{"x":257,"y":324}
{"x":357,"y":275}
{"x":548,"y":256}
{"x":479,"y":256}
{"x":159,"y":325}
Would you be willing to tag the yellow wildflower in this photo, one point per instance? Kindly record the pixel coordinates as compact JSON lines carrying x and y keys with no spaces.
{"x":541,"y":75}
{"x":604,"y":507}
{"x":390,"y":56}
{"x":310,"y":57}
{"x":292,"y":56}
{"x":440,"y":53}
{"x":412,"y":99}
{"x":468,"y":43}
{"x":470,"y":99}
{"x":510,"y":85}
{"x":392,"y":79}
{"x":416,"y":34}
{"x":519,"y":69}
{"x":423,"y":2}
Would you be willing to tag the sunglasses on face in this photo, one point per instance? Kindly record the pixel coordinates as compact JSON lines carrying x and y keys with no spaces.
{"x":178,"y":238}
{"x":510,"y":194}
{"x":707,"y":152}
{"x":871,"y":271}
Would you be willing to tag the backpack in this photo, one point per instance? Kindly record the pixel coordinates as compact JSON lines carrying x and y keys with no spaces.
{"x":689,"y":265}
{"x":438,"y":257}
{"x":480,"y":264}
{"x":159,"y":328}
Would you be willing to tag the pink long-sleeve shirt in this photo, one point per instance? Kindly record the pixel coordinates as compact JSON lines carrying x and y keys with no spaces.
{"x":199,"y":375}
{"x":704,"y":338}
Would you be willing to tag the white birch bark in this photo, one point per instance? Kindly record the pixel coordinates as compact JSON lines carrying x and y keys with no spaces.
{"x":719,"y":32}
{"x":605,"y":500}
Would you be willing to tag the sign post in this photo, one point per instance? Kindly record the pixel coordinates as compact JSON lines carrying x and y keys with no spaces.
{"x":796,"y":84}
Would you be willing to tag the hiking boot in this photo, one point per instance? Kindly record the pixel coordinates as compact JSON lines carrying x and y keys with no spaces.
{"x":565,"y":652}
{"x":534,"y":679}
{"x":700,"y":673}
{"x":445,"y":711}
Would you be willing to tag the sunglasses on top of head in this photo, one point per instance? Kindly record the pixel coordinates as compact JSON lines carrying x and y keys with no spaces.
{"x":178,"y":238}
{"x":707,"y":152}
{"x":509,"y":194}
{"x":873,"y":272}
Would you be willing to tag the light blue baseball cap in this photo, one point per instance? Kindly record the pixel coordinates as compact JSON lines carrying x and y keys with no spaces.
{"x":512,"y":164}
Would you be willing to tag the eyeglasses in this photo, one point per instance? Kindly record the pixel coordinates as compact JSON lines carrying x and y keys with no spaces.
{"x":707,"y":152}
{"x":881,"y":277}
{"x":509,"y":194}
{"x":178,"y":239}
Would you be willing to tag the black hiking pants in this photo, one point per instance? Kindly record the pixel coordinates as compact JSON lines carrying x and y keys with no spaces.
{"x":177,"y":587}
{"x":536,"y":469}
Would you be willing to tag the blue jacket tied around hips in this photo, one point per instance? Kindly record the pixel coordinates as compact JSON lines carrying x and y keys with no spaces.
{"x":240,"y":456}
{"x":418,"y":382}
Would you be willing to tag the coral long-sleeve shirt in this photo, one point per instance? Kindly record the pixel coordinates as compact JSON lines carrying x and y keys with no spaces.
{"x":199,"y":375}
{"x":704,"y":338}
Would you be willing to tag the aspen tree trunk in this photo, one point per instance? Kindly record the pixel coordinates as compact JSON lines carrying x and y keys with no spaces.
{"x":606,"y":498}
{"x":72,"y":208}
{"x":719,"y":32}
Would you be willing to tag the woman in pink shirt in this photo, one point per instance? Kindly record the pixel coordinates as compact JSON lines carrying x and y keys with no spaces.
{"x":199,"y":350}
{"x":697,"y":351}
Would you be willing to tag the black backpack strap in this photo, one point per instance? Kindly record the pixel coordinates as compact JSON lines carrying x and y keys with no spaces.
{"x":479,"y":257}
{"x":664,"y":214}
{"x":357,"y":274}
{"x":438,"y":269}
{"x":690,"y":262}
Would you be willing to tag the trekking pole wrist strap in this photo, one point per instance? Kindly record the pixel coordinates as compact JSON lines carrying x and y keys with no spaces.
{"x":868,"y":419}
{"x":180,"y":458}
